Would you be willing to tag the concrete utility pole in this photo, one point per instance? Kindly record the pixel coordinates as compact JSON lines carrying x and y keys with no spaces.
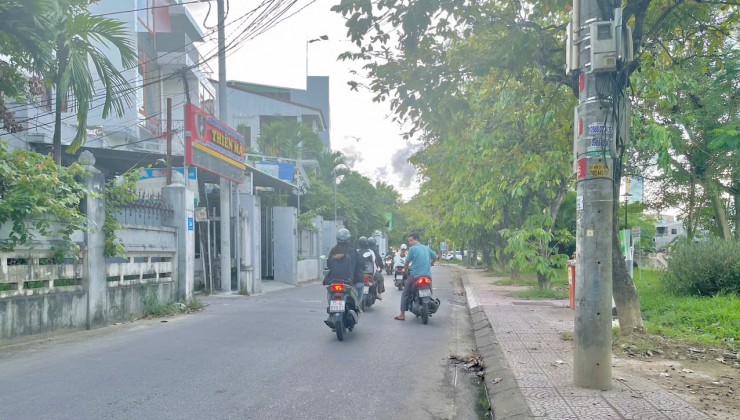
{"x":224,"y":184}
{"x":593,"y":45}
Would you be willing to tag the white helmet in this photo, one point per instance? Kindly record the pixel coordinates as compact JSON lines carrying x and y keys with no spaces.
{"x":403,"y":246}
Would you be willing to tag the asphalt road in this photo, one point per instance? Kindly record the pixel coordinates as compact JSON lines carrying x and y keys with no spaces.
{"x":261,"y":357}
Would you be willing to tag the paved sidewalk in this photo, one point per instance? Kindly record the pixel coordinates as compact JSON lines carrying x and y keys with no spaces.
{"x":530,"y":368}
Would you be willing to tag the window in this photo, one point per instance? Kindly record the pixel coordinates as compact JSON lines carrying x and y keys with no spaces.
{"x":673,"y":232}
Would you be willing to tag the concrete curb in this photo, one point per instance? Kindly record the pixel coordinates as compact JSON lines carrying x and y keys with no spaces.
{"x":504,"y":395}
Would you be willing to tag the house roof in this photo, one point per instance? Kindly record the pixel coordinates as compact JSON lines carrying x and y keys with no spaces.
{"x":252,"y":89}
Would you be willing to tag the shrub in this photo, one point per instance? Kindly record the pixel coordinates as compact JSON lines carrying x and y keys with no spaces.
{"x":704,"y":268}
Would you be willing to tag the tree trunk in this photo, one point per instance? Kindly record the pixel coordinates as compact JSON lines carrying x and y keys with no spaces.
{"x":62,"y":57}
{"x":57,"y":139}
{"x":623,"y":288}
{"x":736,"y":194}
{"x":542,"y":282}
{"x":719,"y":209}
{"x":486,"y":251}
{"x":690,"y":233}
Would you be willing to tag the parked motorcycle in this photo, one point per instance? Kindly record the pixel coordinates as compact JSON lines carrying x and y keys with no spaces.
{"x":388,"y":265}
{"x":371,"y":291}
{"x":421,"y":302}
{"x":343,"y":311}
{"x":399,"y":276}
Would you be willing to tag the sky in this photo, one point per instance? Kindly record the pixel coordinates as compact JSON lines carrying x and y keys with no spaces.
{"x":360,"y":128}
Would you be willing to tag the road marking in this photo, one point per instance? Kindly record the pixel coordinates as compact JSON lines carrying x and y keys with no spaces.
{"x":472,"y":299}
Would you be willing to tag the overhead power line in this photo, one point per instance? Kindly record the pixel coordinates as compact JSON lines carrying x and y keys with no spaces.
{"x":148,"y":8}
{"x":260,"y":25}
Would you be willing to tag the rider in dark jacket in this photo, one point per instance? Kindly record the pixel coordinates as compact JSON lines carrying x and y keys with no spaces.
{"x":377,"y":275}
{"x":345,"y":264}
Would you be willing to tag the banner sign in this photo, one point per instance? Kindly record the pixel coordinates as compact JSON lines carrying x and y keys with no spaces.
{"x":280,"y":170}
{"x":152,"y":180}
{"x":213,"y":146}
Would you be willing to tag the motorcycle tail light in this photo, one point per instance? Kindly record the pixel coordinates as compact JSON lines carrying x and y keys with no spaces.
{"x":337,"y":287}
{"x":424,"y":281}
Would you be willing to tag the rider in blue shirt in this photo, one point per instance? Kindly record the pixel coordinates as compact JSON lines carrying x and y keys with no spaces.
{"x":418,"y":263}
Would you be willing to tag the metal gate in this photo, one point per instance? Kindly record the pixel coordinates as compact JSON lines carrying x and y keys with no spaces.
{"x":268,"y":255}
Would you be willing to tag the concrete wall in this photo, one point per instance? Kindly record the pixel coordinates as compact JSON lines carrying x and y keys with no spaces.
{"x":317,"y":96}
{"x":307,"y":270}
{"x":127,"y":302}
{"x":34,"y":314}
{"x":102,"y":290}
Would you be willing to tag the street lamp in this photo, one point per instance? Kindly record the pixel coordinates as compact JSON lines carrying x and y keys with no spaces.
{"x":627,"y":196}
{"x":311,"y":41}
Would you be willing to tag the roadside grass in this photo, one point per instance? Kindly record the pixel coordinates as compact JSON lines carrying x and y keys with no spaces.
{"x":155,"y":309}
{"x":703,"y":320}
{"x":558,"y":286}
{"x":536,"y":293}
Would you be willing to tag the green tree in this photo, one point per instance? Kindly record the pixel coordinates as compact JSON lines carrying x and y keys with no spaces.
{"x":82,"y":42}
{"x":22,"y":47}
{"x":289,"y":139}
{"x":429,"y":58}
{"x":32,"y":187}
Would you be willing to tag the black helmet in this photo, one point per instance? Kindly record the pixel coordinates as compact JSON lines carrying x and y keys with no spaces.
{"x":343,"y":235}
{"x":371,"y":241}
{"x":362,"y":242}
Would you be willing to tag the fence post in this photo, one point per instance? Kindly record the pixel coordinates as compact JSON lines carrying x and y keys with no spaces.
{"x":180,"y":199}
{"x":93,"y":253}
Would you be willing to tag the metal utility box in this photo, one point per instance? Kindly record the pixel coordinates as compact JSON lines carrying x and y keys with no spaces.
{"x":603,"y":46}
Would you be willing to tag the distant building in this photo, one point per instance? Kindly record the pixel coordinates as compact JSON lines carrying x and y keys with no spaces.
{"x":667,"y":230}
{"x":314,"y":98}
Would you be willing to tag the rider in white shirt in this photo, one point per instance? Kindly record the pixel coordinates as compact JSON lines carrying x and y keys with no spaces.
{"x":400,"y":258}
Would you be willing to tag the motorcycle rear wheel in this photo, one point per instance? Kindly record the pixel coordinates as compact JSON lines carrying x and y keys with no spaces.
{"x":340,"y":329}
{"x":425,"y":313}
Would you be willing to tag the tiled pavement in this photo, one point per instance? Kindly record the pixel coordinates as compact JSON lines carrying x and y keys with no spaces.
{"x":542,"y":364}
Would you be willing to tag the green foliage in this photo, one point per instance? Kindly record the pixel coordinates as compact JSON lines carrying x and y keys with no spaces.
{"x":289,"y":139}
{"x":78,"y":35}
{"x":707,"y":320}
{"x":705,"y":268}
{"x":33,"y":188}
{"x":22,"y":47}
{"x":118,"y":192}
{"x":154,"y":308}
{"x":305,"y":220}
{"x":273,"y":198}
{"x":535,"y":247}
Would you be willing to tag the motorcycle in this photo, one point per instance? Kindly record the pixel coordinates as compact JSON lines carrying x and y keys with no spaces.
{"x":421,"y":302}
{"x":399,"y":276}
{"x":371,"y":291}
{"x":344,"y":314}
{"x":388,"y":265}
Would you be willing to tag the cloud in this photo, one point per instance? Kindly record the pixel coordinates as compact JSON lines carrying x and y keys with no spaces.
{"x":352,"y":155}
{"x":401,"y":167}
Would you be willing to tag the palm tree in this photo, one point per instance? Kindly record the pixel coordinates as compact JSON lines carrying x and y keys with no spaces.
{"x":329,"y":163}
{"x":23,"y":47}
{"x":79,"y":37}
{"x":289,"y":139}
